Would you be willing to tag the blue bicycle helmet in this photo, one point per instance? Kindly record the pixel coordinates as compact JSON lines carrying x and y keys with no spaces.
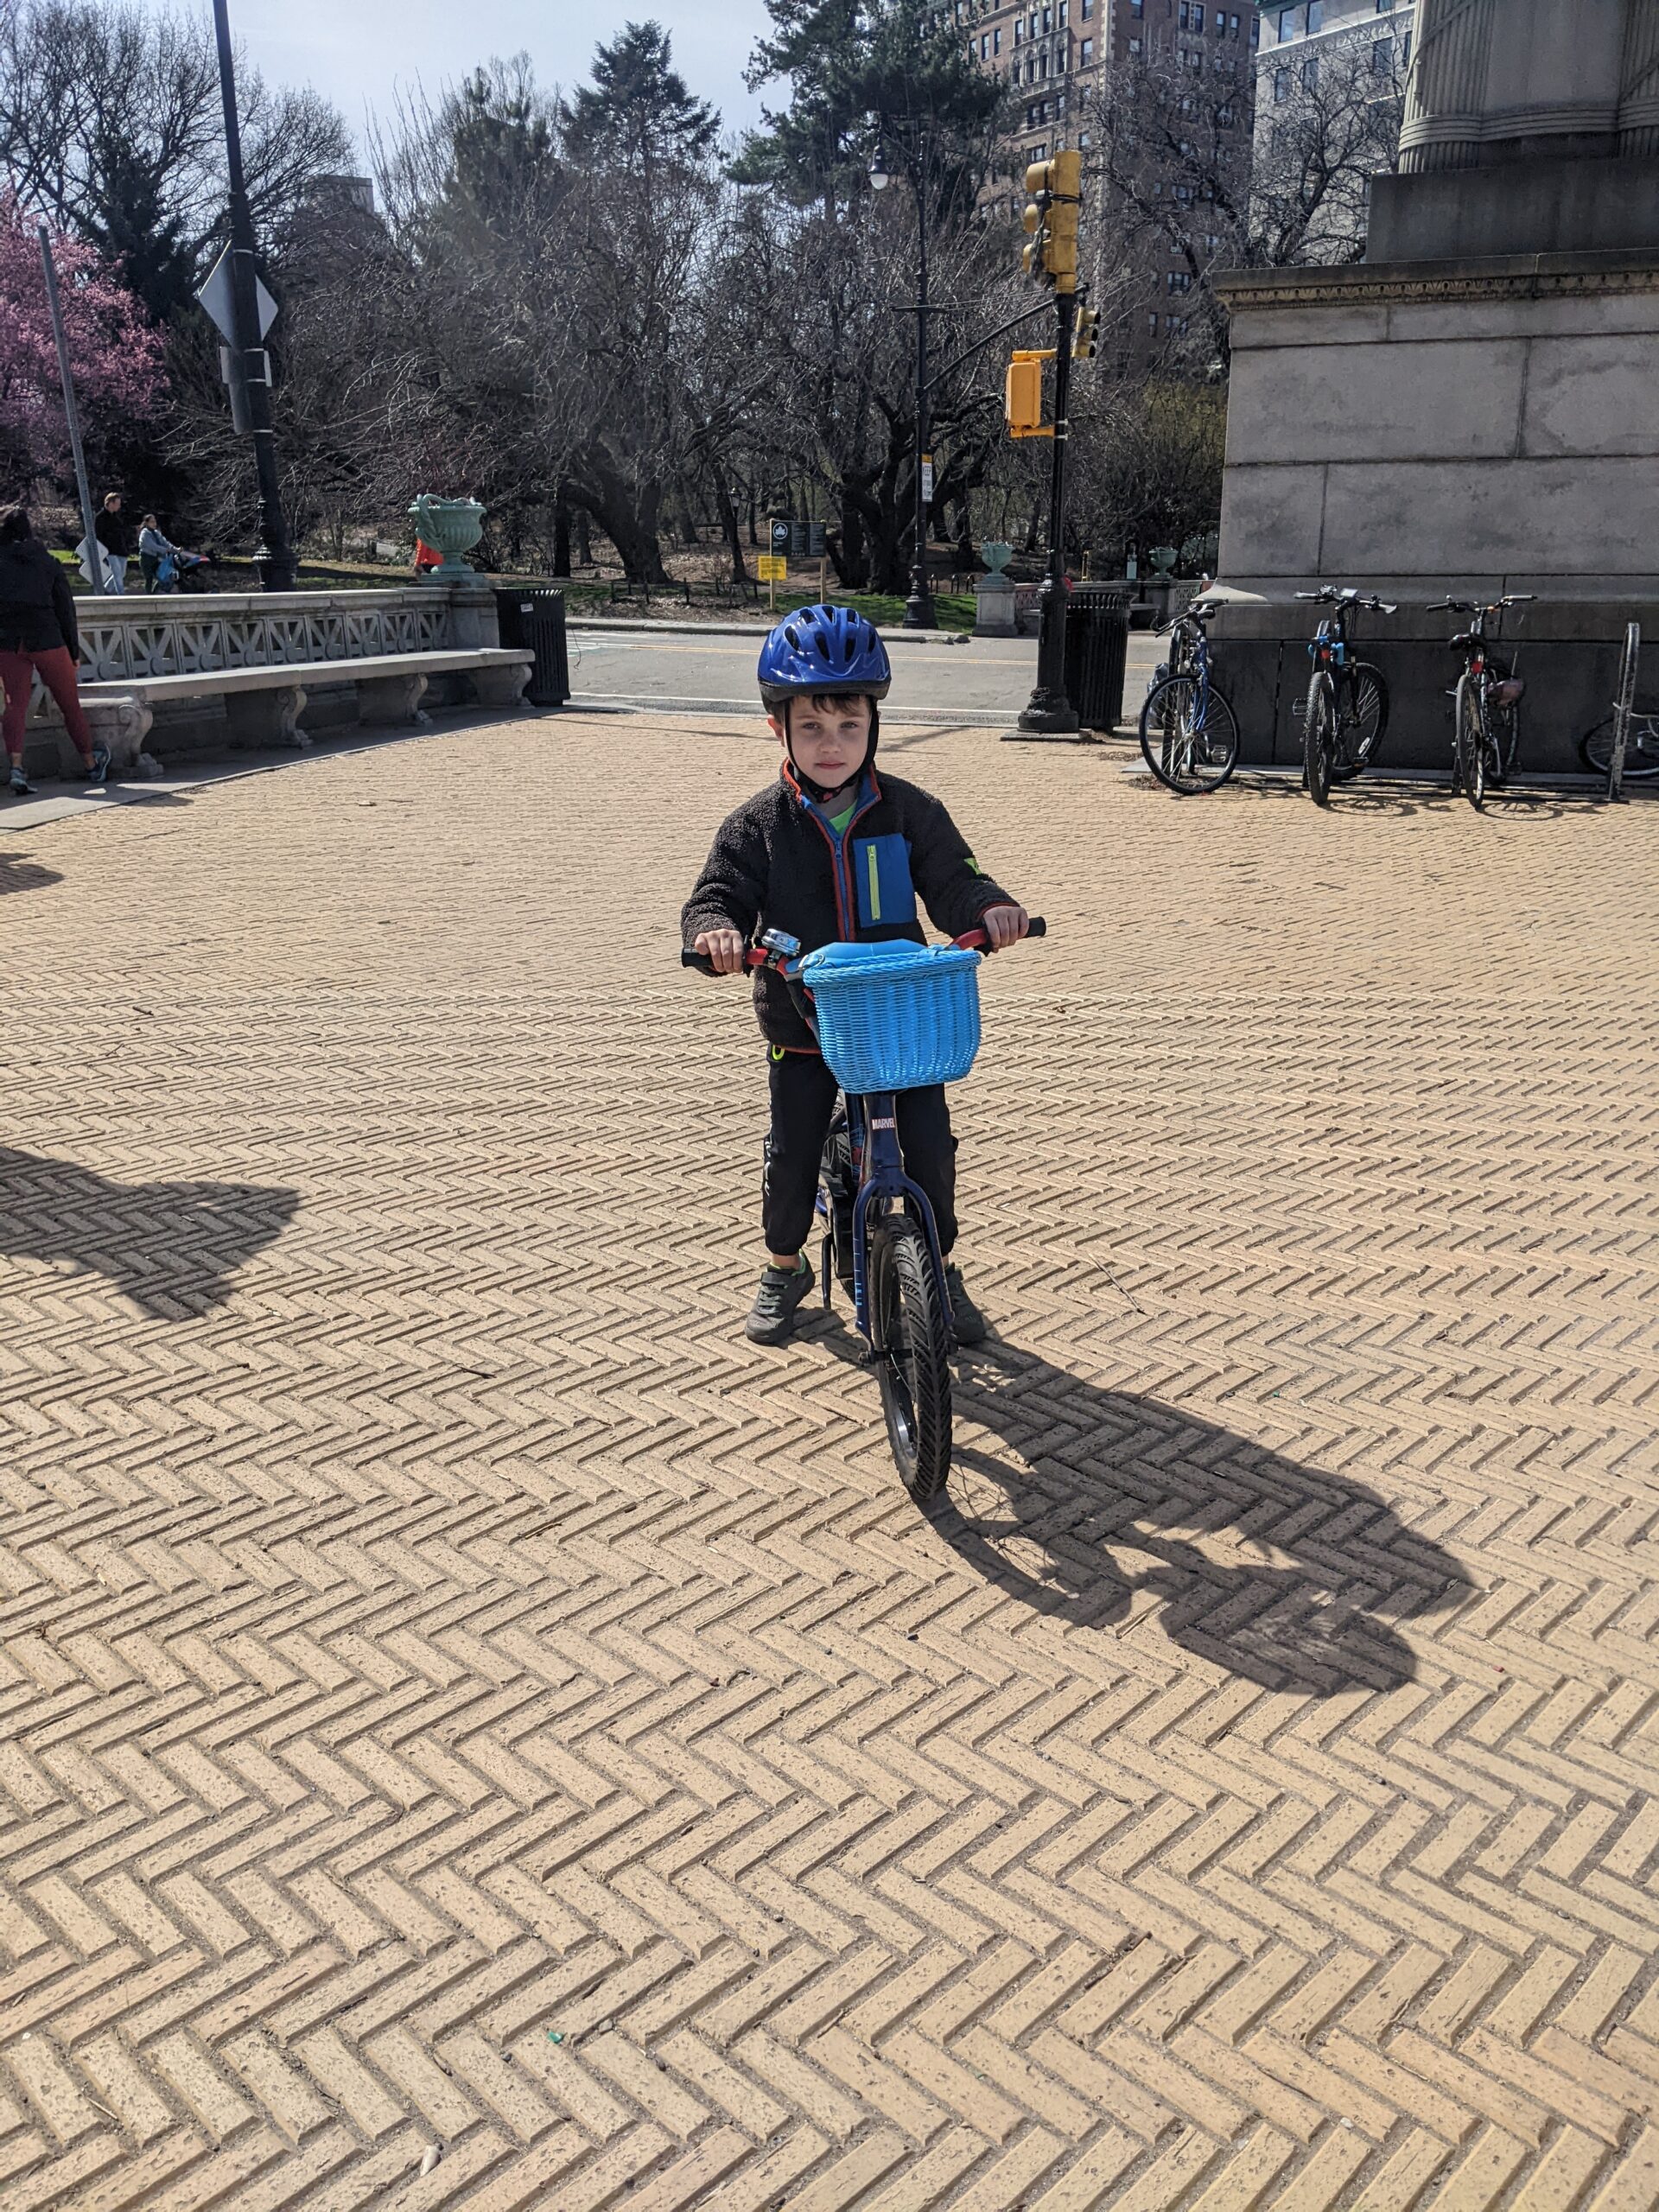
{"x":823,"y":648}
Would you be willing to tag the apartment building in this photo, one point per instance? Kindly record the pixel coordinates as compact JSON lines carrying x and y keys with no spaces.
{"x":1059,"y":58}
{"x":1335,"y":60}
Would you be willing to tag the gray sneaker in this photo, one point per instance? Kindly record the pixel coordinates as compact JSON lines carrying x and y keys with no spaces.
{"x":971,"y":1322}
{"x":772,"y":1317}
{"x":21,"y":786}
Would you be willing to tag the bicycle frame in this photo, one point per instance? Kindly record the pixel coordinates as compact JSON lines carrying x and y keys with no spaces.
{"x":1189,"y":656}
{"x":1328,"y":649}
{"x":878,"y":1164}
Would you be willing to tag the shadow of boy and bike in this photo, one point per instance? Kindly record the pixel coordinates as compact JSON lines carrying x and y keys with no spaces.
{"x":1087,"y":1497}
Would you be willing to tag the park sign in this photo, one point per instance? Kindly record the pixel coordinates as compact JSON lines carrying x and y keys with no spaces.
{"x":771,"y":567}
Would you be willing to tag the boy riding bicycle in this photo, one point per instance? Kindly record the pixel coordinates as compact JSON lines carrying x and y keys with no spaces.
{"x":825,"y":854}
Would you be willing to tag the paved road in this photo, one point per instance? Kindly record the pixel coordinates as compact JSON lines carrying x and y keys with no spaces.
{"x":455,"y":1694}
{"x":986,"y":681}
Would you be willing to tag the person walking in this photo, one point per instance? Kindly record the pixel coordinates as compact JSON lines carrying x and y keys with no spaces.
{"x":39,"y":633}
{"x":114,"y":533}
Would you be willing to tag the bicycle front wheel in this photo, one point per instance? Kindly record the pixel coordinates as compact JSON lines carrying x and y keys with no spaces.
{"x":1364,"y":718}
{"x":1319,"y":740}
{"x":1471,"y":744}
{"x":1641,"y":747}
{"x":911,"y":1338}
{"x":1189,"y":735}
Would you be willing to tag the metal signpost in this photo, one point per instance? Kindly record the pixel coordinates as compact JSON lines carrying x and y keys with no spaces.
{"x":241,"y":313}
{"x":99,"y":571}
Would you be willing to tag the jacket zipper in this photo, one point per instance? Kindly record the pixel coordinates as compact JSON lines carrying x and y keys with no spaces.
{"x":841,"y":867}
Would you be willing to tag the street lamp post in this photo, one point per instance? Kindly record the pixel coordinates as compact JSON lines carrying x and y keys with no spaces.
{"x":274,"y":557}
{"x":919,"y":607}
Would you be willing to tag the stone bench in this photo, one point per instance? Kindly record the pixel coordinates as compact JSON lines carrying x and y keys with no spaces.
{"x":263,"y":705}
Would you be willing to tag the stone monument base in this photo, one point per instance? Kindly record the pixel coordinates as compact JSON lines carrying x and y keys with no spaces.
{"x":1421,"y":429}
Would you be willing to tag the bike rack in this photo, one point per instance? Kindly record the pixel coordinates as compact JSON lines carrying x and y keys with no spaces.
{"x":1624,"y":703}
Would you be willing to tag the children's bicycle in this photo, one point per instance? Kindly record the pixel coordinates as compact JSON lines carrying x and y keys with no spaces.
{"x":888,"y":1017}
{"x":1347,"y":700}
{"x":1487,"y":701}
{"x":1188,"y":732}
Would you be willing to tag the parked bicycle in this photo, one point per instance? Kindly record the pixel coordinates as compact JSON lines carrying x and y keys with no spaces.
{"x":1347,"y":708}
{"x":1641,"y":745}
{"x":888,"y":1017}
{"x":1188,"y":731}
{"x":1487,"y":701}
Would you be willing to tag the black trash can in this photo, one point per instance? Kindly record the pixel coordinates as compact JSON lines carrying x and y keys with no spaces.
{"x":1097,"y":654}
{"x":532,"y":618}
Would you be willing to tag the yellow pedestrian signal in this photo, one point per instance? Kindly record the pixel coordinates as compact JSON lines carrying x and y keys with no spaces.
{"x":1051,"y":217}
{"x":1085,"y":336}
{"x":1022,"y":402}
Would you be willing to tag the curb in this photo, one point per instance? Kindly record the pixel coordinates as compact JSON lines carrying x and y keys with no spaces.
{"x":740,"y":630}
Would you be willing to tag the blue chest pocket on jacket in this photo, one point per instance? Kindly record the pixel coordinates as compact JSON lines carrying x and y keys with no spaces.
{"x":880,"y":869}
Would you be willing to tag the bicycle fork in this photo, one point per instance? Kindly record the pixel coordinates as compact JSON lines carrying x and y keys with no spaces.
{"x":873,"y":1125}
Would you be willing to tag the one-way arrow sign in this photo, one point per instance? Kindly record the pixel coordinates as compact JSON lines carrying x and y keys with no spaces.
{"x":218,"y":297}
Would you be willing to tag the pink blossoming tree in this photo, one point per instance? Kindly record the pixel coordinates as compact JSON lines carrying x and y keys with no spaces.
{"x":115,"y":355}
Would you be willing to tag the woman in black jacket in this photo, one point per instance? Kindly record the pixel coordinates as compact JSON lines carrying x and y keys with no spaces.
{"x":38,"y":631}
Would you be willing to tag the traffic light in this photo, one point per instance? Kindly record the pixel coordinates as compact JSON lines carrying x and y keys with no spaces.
{"x":1022,"y":402}
{"x":1052,"y":216}
{"x":1085,"y":334}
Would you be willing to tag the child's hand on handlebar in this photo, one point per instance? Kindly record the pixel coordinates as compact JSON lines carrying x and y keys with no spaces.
{"x":1004,"y":926}
{"x":726,"y":948}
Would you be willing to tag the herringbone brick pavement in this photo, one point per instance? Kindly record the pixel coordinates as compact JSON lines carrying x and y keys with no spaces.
{"x":475,"y":1732}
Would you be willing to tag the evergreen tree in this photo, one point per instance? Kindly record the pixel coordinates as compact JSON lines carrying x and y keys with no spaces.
{"x":864,"y":74}
{"x":638,"y":114}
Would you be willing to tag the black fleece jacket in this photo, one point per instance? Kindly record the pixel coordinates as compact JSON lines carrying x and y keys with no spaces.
{"x":777,"y":864}
{"x":37,"y":608}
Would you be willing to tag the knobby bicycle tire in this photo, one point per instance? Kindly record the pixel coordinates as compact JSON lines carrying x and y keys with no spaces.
{"x":913,"y":1349}
{"x":1641,"y":747}
{"x":1318,"y":739}
{"x":1366,"y":699}
{"x":1171,"y":747}
{"x":1471,"y":743}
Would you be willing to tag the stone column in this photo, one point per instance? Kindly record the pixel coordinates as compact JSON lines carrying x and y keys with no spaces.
{"x":1638,"y":88}
{"x":1445,"y":96}
{"x":1506,"y":80}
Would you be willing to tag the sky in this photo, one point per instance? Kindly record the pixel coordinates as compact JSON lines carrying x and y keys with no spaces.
{"x":359,"y":52}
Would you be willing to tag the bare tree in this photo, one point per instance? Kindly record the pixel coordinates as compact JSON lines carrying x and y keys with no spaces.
{"x":1186,"y":191}
{"x":111,"y":122}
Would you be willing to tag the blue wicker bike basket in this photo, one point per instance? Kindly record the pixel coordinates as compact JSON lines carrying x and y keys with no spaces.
{"x":895,"y":1017}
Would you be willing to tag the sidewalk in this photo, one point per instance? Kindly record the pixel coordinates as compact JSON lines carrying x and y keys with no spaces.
{"x":456,"y":1692}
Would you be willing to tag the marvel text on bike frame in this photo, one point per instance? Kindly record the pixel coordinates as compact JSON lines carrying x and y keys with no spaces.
{"x":1189,"y":735}
{"x":881,"y":1242}
{"x":1485,"y":700}
{"x":1347,"y":706}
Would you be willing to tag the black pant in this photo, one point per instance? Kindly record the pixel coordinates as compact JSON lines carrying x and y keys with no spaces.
{"x":803,"y":1101}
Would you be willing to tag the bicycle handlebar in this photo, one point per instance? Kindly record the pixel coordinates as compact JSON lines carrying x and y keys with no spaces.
{"x":757,"y":957}
{"x":1331,"y":597}
{"x":1479,"y":606}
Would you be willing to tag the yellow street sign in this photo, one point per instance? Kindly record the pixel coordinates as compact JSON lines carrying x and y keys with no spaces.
{"x":771,"y":567}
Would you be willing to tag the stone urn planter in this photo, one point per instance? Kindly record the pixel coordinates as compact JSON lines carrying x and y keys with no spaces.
{"x":993,"y":615}
{"x":451,"y":527}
